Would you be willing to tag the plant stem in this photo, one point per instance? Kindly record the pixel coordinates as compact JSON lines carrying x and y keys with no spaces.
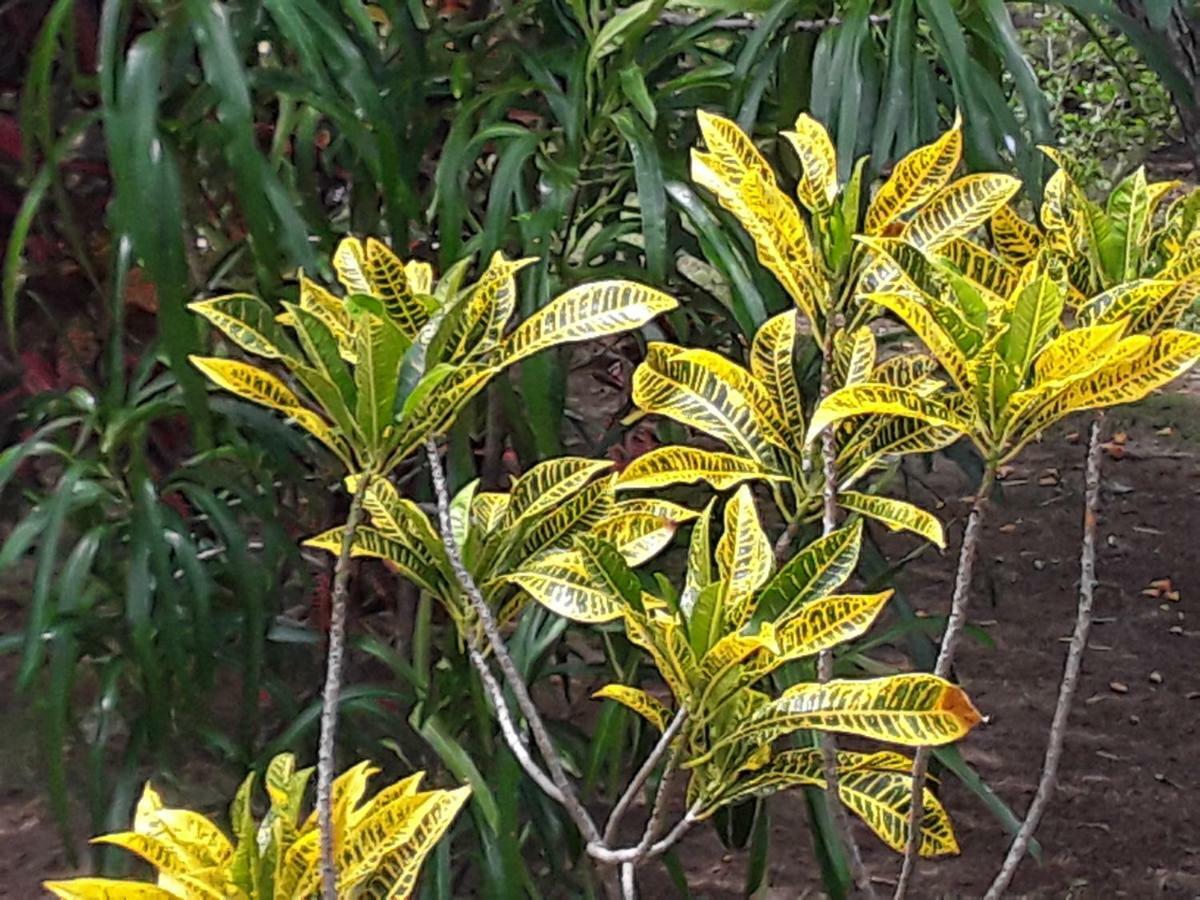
{"x":568,"y":798}
{"x":829,"y":515}
{"x":945,"y":660}
{"x":333,"y":688}
{"x":1070,"y":679}
{"x":635,"y":784}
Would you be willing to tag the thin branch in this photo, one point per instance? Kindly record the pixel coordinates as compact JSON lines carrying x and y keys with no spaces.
{"x":829,"y":515}
{"x":333,"y":688}
{"x":512,"y":677}
{"x":514,"y":739}
{"x":630,"y":854}
{"x":950,"y":638}
{"x":1070,"y":679}
{"x":635,"y":784}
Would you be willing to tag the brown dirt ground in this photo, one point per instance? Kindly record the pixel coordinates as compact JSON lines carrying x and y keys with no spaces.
{"x":1126,"y":819}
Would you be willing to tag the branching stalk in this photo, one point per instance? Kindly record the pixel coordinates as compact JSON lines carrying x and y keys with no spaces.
{"x":512,"y":677}
{"x":333,"y":689}
{"x":635,"y":784}
{"x":945,"y":660}
{"x":1070,"y":679}
{"x":829,"y":514}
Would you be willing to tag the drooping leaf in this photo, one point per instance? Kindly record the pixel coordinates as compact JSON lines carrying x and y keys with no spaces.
{"x":639,"y":701}
{"x":683,"y":465}
{"x":586,"y":312}
{"x":897,"y":515}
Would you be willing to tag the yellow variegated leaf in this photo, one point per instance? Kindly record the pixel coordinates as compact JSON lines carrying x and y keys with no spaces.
{"x":460,"y":512}
{"x":1128,"y":300}
{"x":148,"y":807}
{"x":639,"y":701}
{"x":771,"y":362}
{"x":883,"y":399}
{"x":744,"y":558}
{"x":860,"y":356}
{"x":980,"y":266}
{"x":432,"y":418}
{"x":699,"y":562}
{"x":1069,"y":353}
{"x":814,"y":572}
{"x":348,"y":790}
{"x":388,"y":278}
{"x":395,"y":875}
{"x":1125,"y":377}
{"x":405,"y":787}
{"x":1016,"y":239}
{"x":586,"y":312}
{"x":791,"y":768}
{"x":1056,"y":214}
{"x":959,"y":209}
{"x":560,"y":583}
{"x":681,"y":465}
{"x":819,"y":625}
{"x":419,"y":275}
{"x":248,"y":322}
{"x":478,"y":326}
{"x":191,"y":834}
{"x":736,"y":173}
{"x":747,"y":386}
{"x":581,"y":512}
{"x":1168,"y":312}
{"x":414,"y":558}
{"x":731,"y":651}
{"x":706,"y":392}
{"x":663,"y":638}
{"x":731,"y":148}
{"x":818,"y":186}
{"x":637,"y":535}
{"x":548,"y":484}
{"x":159,"y":853}
{"x":1036,"y":312}
{"x":922,"y":322}
{"x":911,"y":709}
{"x":330,"y":310}
{"x":897,"y":515}
{"x":653,"y":506}
{"x":106,"y":889}
{"x":882,"y":439}
{"x":883,"y":799}
{"x":350,"y":264}
{"x":257,"y":386}
{"x":487,"y":511}
{"x":915,"y":179}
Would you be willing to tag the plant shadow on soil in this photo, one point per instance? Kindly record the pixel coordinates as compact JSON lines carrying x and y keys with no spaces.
{"x":1125,"y":820}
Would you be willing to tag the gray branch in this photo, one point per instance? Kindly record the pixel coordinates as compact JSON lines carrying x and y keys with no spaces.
{"x":1070,"y":679}
{"x":826,"y":742}
{"x":950,"y":638}
{"x":635,"y":784}
{"x":512,"y":677}
{"x":333,"y":689}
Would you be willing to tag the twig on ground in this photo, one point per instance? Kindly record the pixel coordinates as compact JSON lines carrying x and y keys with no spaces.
{"x":333,"y":688}
{"x":1070,"y":679}
{"x":954,"y":628}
